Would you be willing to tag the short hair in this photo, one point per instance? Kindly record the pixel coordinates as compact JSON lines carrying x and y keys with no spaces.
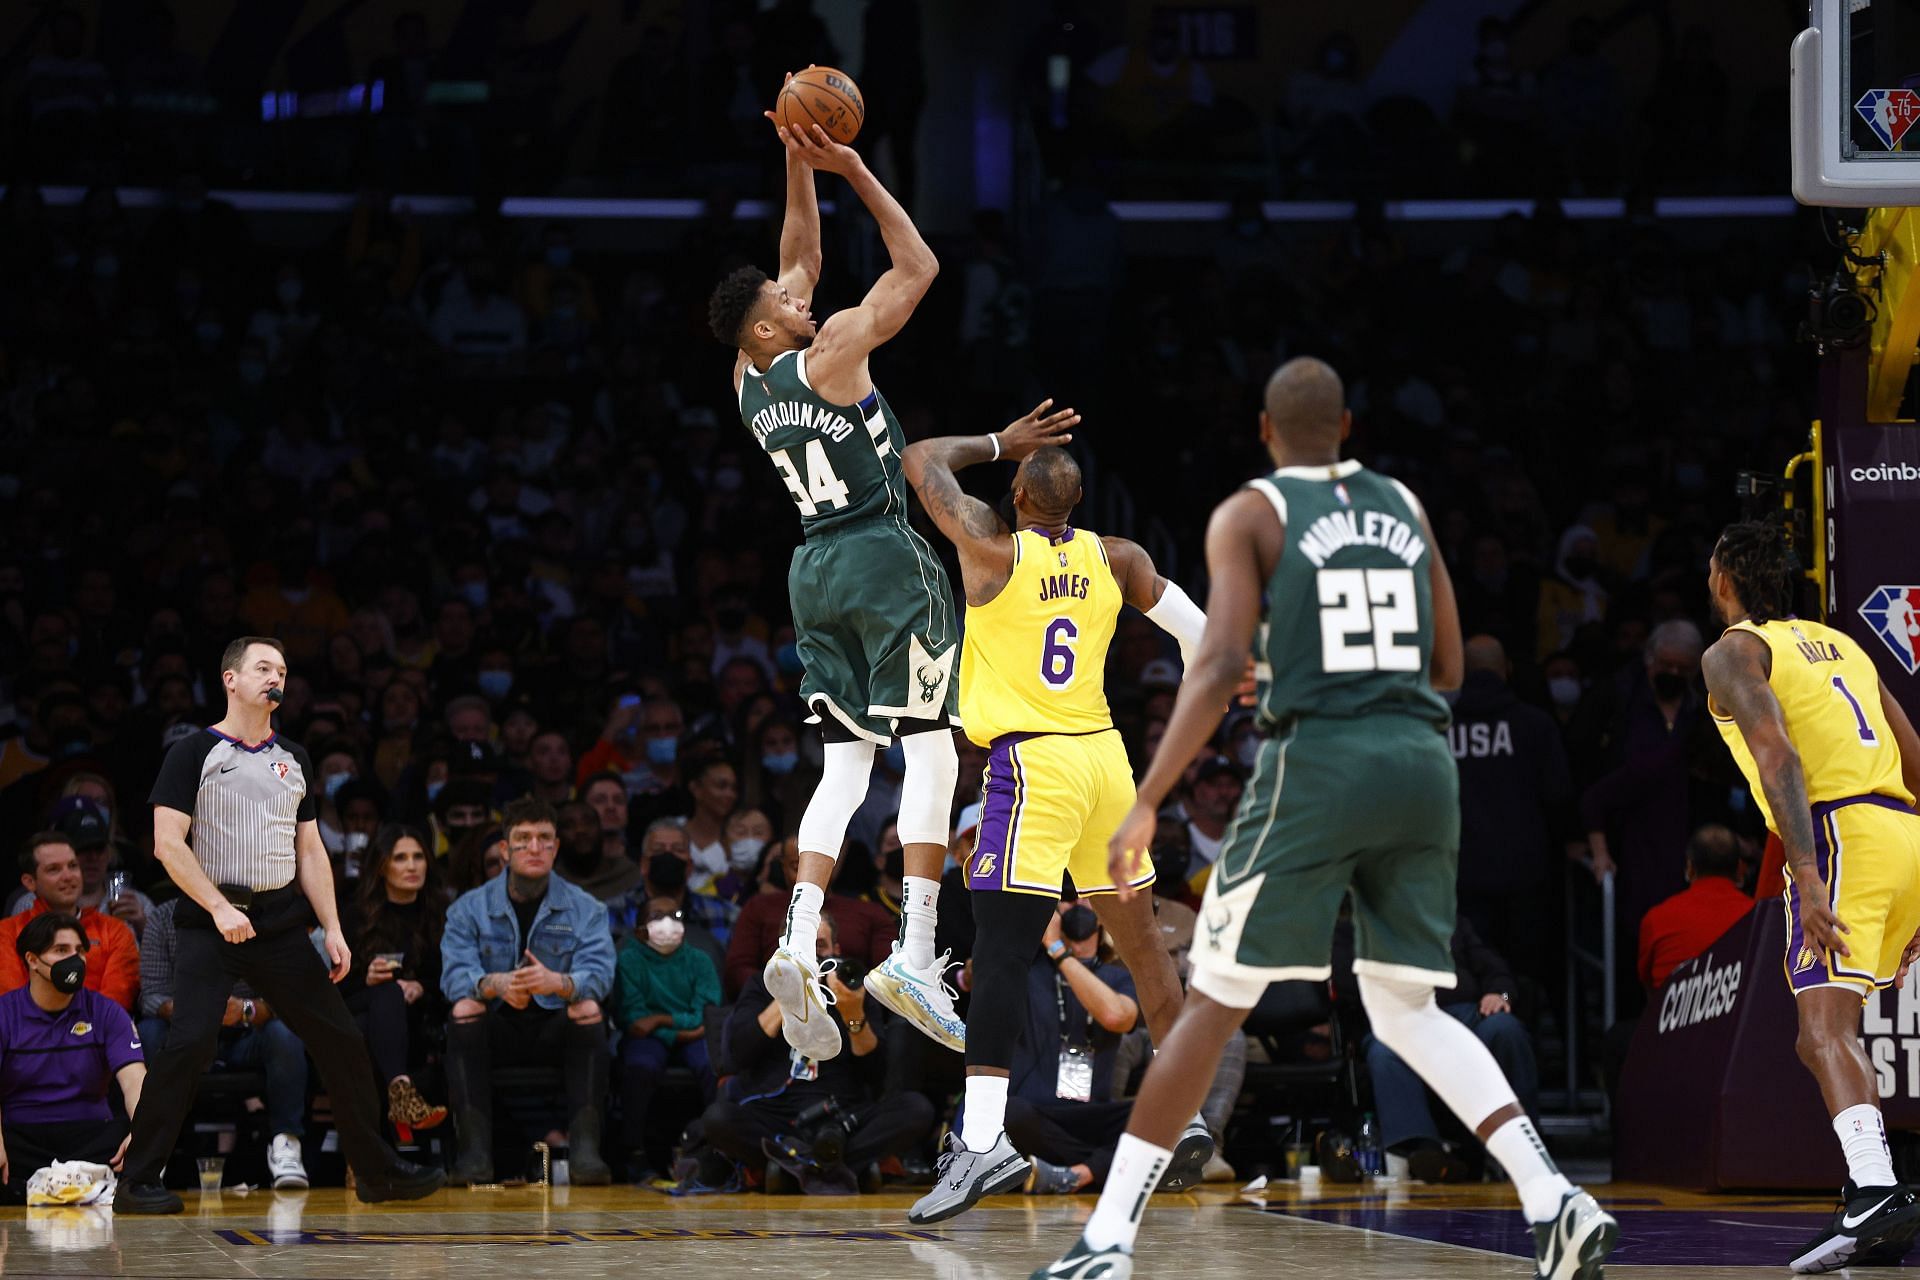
{"x":30,"y":852}
{"x":705,"y":764}
{"x":662,"y":824}
{"x":1304,"y":397}
{"x":1714,"y":852}
{"x":41,"y":931}
{"x":1754,"y":556}
{"x":732,"y":301}
{"x":234,"y":654}
{"x":528,"y":811}
{"x":1051,"y":478}
{"x":605,"y":775}
{"x":467,"y":702}
{"x":1675,"y":633}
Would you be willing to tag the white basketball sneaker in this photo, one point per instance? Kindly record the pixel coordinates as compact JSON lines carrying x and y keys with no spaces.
{"x":284,"y":1165}
{"x":804,"y":1002}
{"x":921,"y":996}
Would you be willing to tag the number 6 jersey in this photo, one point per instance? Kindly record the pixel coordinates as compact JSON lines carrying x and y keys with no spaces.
{"x":1034,"y":657}
{"x":840,"y":463}
{"x":1348,"y":628}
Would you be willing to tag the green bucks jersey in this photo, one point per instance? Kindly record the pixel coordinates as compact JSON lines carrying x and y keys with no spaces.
{"x":1349,"y":610}
{"x":841,"y":463}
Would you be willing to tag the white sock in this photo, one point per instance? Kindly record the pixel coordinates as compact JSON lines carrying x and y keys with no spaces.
{"x":803,"y":920}
{"x":986,"y":1117}
{"x":920,"y":899}
{"x":1135,"y":1172}
{"x":1863,"y":1136}
{"x":1517,"y":1146}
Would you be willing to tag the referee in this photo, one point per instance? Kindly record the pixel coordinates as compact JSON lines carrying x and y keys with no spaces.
{"x":244,"y":794}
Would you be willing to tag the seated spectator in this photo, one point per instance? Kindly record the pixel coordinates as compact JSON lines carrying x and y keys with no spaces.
{"x":664,"y":864}
{"x":1063,"y":1110}
{"x":583,"y":855}
{"x":1692,"y":920}
{"x":50,"y":870}
{"x":749,"y":832}
{"x":526,"y":961}
{"x":663,"y":990}
{"x":715,"y":791}
{"x":865,"y":932}
{"x":59,"y":1044}
{"x":1482,"y":1000}
{"x":1210,"y":804}
{"x":778,"y":1094}
{"x":607,"y":793}
{"x":88,"y":826}
{"x":252,"y":1039}
{"x":776,"y":774}
{"x":479,"y":856}
{"x":393,"y":925}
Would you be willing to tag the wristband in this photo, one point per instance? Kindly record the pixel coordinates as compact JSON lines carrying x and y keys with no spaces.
{"x":1057,"y":952}
{"x":995,"y":437}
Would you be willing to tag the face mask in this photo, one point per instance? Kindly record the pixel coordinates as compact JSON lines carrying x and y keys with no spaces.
{"x":1247,"y":752}
{"x":495,"y":684}
{"x":289,"y":291}
{"x":1564,"y":690}
{"x":474,"y":593}
{"x":894,"y":863}
{"x":355,"y":841}
{"x":433,"y":791}
{"x":559,"y":255}
{"x":1078,"y":923}
{"x":744,"y":854}
{"x":780,"y":763}
{"x":68,"y":975}
{"x":667,"y":874}
{"x":895,"y":756}
{"x":662,"y":750}
{"x":664,"y":934}
{"x":1669,"y":686}
{"x":335,"y":782}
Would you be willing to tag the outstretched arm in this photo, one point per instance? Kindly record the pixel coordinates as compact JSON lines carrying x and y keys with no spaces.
{"x":800,"y":232}
{"x":1736,"y":671}
{"x":839,"y":352}
{"x":1162,"y":600}
{"x":986,"y":555}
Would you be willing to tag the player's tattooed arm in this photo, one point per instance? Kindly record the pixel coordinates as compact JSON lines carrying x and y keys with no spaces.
{"x":930,"y":466}
{"x":1736,"y":671}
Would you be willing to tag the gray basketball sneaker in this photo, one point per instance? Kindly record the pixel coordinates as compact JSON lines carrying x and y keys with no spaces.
{"x":964,"y":1176}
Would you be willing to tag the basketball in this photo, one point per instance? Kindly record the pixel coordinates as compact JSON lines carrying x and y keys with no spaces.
{"x":825,"y":96}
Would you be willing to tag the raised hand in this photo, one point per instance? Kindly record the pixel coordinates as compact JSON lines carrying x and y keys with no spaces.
{"x":812,"y":146}
{"x":1028,"y":435}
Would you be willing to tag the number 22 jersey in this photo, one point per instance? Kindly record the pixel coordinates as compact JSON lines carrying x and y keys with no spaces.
{"x":1034,"y":657}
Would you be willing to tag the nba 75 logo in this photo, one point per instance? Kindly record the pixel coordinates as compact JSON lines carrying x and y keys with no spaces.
{"x":1894,"y":615}
{"x":281,"y":769}
{"x":1889,"y":113}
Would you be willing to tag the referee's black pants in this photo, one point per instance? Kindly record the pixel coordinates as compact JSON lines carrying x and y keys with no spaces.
{"x":286,"y":970}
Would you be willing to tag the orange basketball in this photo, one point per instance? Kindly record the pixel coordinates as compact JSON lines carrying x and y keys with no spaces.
{"x":825,"y":96}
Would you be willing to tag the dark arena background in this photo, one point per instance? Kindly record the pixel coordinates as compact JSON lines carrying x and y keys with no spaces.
{"x":380,"y":328}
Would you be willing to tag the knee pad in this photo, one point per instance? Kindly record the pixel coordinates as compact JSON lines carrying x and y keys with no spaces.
{"x":1441,"y":1051}
{"x":926,"y":792}
{"x":1398,"y":1010}
{"x":845,"y":768}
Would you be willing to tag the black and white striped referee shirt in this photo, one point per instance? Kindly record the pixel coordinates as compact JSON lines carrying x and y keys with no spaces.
{"x":245,"y":803}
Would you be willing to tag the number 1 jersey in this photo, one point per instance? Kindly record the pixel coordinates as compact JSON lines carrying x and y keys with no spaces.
{"x":1034,"y":658}
{"x":1348,"y":627}
{"x":840,"y":463}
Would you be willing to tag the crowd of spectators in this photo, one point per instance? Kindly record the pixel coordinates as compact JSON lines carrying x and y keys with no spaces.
{"x":487,"y":489}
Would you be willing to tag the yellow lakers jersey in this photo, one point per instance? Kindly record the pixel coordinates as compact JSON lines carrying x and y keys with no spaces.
{"x":1829,"y":694}
{"x":1035,"y":656}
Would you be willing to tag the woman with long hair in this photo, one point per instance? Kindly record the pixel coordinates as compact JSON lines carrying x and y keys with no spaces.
{"x":476,"y":857}
{"x":394,"y":925}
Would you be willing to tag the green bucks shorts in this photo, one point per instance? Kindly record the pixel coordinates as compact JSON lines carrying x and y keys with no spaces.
{"x":873,"y":620}
{"x":1370,"y":805}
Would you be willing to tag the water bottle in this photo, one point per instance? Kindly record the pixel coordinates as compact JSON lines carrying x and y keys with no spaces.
{"x":1366,"y":1148}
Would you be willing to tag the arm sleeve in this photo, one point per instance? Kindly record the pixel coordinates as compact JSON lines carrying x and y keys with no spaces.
{"x":122,"y":981}
{"x":1176,"y":614}
{"x":178,"y":785}
{"x":308,"y":811}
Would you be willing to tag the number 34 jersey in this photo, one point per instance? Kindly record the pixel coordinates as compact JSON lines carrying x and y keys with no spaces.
{"x":840,"y":463}
{"x":1348,"y":628}
{"x":1034,"y":657}
{"x":1829,"y":694}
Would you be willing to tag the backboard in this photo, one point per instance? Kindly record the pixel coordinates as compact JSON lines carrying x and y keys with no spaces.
{"x":1856,"y":104}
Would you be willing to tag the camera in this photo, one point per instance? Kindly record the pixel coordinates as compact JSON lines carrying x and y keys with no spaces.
{"x":850,"y":972}
{"x":1839,"y":313}
{"x":825,"y":1127}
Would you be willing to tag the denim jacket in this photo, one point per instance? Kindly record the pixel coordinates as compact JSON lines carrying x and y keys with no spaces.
{"x":569,"y":936}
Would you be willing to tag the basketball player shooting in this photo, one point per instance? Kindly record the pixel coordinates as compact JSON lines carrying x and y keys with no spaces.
{"x":872,"y":610}
{"x":1835,"y":765}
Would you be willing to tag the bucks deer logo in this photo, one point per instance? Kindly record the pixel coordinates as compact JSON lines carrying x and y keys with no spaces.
{"x":1219,"y":920}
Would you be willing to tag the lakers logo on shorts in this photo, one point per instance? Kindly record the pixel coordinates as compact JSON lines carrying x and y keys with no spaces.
{"x":983,"y":866}
{"x":1805,"y":959}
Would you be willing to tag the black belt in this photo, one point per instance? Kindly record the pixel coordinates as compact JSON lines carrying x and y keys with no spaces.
{"x":251,"y":900}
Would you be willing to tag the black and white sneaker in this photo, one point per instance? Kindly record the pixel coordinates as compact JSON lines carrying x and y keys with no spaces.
{"x":1190,"y":1156}
{"x":1084,"y":1263}
{"x":964,"y":1176}
{"x":1575,"y":1245}
{"x":1869,"y":1220}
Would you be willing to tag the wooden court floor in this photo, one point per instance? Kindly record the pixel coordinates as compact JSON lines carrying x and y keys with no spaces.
{"x":1391,"y":1233}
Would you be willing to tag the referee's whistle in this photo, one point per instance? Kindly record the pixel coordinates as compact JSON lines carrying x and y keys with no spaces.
{"x":275,"y":696}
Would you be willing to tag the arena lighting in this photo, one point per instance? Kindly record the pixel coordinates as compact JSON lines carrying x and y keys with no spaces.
{"x":589,"y":208}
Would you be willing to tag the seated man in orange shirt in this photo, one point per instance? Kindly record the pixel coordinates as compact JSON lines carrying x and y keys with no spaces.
{"x":50,"y":870}
{"x":1692,"y":920}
